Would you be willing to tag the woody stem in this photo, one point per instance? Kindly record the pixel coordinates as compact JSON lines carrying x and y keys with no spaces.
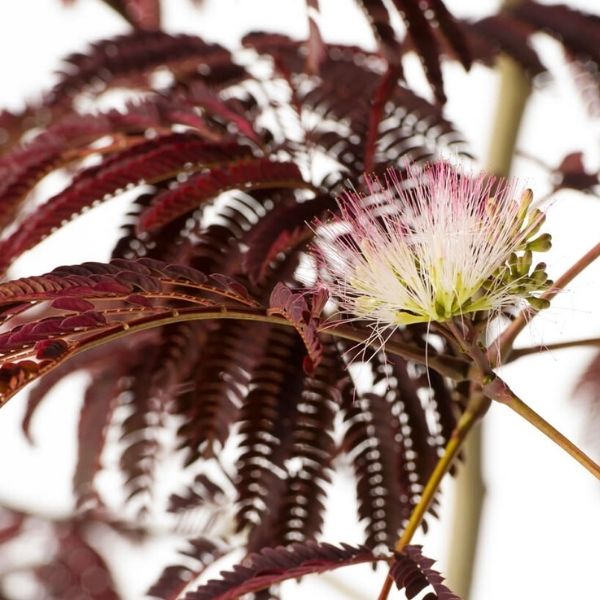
{"x":477,"y":407}
{"x":512,"y":100}
{"x":496,"y":389}
{"x":499,"y":391}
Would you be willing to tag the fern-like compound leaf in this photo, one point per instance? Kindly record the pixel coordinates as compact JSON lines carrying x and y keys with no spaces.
{"x":273,"y":565}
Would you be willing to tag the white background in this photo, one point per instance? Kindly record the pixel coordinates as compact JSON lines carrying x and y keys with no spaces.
{"x":541,"y":533}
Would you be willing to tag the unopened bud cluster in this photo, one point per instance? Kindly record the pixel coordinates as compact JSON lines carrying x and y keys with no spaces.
{"x":517,"y":275}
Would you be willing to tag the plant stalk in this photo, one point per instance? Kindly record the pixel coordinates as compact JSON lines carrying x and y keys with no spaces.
{"x":485,"y":381}
{"x":447,"y":366}
{"x":499,"y":391}
{"x":469,"y":498}
{"x":514,"y":92}
{"x":470,"y":417}
{"x":517,"y":353}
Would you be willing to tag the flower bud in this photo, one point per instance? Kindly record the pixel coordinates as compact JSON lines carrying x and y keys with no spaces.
{"x":541,"y":243}
{"x":538,"y":303}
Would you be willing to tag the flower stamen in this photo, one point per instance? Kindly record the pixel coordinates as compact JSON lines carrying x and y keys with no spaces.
{"x":449,"y":246}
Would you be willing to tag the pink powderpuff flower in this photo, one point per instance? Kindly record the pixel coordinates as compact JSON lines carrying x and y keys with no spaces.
{"x":447,"y":245}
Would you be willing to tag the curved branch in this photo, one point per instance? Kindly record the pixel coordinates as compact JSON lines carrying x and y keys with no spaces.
{"x":499,"y":391}
{"x":446,"y":365}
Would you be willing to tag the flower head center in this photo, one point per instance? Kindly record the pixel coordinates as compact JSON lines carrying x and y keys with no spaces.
{"x":446,"y":247}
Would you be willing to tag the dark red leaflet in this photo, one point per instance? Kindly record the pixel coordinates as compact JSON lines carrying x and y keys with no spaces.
{"x":260,"y":173}
{"x":147,"y":162}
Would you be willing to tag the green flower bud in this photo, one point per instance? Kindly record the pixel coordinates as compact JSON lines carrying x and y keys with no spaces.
{"x":538,"y":303}
{"x":540,"y":244}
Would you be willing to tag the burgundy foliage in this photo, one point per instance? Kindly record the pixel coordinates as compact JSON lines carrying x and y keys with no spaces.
{"x":76,"y":570}
{"x":412,"y":572}
{"x":273,"y":565}
{"x":175,"y":579}
{"x":69,"y":567}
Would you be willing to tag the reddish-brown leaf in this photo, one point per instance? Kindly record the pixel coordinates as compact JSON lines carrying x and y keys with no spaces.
{"x":144,"y":163}
{"x":572,"y":174}
{"x":505,"y":33}
{"x":133,"y":55}
{"x":379,"y":19}
{"x":315,"y":47}
{"x":576,"y":30}
{"x":98,"y":403}
{"x":273,"y":565}
{"x":294,"y":307}
{"x":244,"y":175}
{"x":382,"y":94}
{"x":420,"y":30}
{"x":76,"y":570}
{"x":412,"y":572}
{"x":174,"y":579}
{"x":454,"y":32}
{"x":12,"y":524}
{"x":142,"y":14}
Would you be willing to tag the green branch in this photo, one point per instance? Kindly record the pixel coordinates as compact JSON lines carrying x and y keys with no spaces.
{"x":499,"y":391}
{"x":474,"y":411}
{"x":496,"y":389}
{"x":447,"y":366}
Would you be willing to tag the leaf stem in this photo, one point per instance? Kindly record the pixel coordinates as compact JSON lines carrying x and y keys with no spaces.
{"x":499,"y":391}
{"x":476,"y":409}
{"x":448,"y":366}
{"x":517,"y":353}
{"x":496,"y":389}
